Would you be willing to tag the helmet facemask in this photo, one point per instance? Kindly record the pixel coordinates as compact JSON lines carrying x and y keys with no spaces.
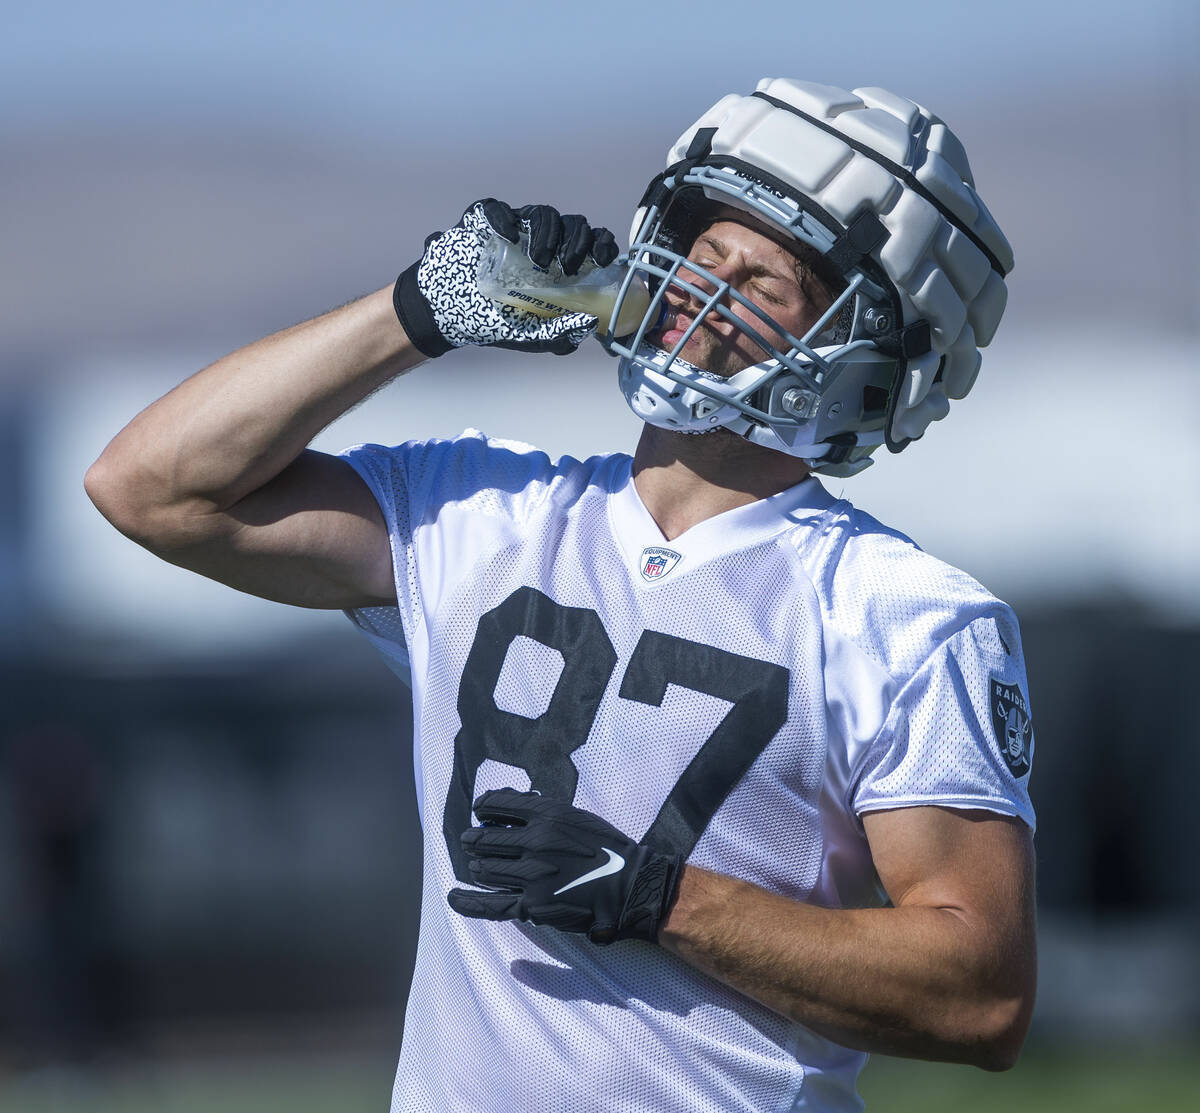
{"x":821,"y":396}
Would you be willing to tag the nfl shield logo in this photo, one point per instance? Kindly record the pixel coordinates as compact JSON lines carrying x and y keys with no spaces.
{"x":656,"y":562}
{"x":1013,"y":727}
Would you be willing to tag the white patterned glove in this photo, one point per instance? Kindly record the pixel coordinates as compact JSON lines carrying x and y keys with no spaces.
{"x":438,"y":299}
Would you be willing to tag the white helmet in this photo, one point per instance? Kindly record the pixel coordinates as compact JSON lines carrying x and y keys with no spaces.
{"x":881,"y":188}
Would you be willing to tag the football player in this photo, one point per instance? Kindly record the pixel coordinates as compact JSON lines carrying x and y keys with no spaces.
{"x":723,"y":783}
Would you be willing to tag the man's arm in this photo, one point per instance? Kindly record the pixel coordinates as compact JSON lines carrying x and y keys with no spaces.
{"x":948,"y":973}
{"x":215,"y":477}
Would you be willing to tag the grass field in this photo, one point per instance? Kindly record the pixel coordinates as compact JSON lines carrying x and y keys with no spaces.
{"x":1165,"y":1081}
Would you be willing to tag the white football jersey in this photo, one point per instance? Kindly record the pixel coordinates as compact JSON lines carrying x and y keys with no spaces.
{"x":740,"y":694}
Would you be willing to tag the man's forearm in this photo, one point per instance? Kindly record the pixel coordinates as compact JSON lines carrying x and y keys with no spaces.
{"x":232,"y":427}
{"x":911,"y":981}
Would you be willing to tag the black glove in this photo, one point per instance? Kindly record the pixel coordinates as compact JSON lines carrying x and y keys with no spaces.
{"x":557,"y":865}
{"x":438,"y":299}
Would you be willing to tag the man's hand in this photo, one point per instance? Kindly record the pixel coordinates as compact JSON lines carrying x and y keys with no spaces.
{"x":438,"y":299}
{"x":553,"y":864}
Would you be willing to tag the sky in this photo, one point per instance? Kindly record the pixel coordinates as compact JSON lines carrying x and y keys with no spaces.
{"x":459,"y":67}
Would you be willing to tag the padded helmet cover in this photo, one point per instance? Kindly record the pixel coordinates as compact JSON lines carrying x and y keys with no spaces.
{"x":842,"y":153}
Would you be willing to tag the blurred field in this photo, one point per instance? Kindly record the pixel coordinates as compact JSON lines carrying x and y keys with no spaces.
{"x":303,"y":1086}
{"x":1166,"y":1081}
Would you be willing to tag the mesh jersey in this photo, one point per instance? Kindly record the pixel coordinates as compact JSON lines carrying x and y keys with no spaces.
{"x":553,"y":638}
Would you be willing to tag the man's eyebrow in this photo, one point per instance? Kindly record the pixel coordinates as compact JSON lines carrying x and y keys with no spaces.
{"x":758,"y":269}
{"x":770,"y":272}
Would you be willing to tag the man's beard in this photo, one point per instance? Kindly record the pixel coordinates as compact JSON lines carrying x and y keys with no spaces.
{"x":683,"y":363}
{"x":715,"y":357}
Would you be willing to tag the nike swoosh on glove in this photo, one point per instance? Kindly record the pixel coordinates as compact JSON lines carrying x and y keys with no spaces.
{"x":547,"y":862}
{"x":438,"y":299}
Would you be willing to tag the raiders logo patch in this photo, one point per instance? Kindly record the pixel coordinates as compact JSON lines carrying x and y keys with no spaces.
{"x":1013,"y":727}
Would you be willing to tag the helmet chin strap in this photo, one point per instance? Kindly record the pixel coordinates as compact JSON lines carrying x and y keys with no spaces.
{"x":700,"y":403}
{"x":666,"y":403}
{"x":708,"y":377}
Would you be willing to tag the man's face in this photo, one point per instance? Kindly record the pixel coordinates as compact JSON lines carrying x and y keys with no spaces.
{"x":761,"y":270}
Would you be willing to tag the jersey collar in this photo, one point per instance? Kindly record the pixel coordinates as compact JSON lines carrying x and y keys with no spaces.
{"x":636,"y":532}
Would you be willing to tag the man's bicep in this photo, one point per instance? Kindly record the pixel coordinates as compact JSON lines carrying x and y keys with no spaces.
{"x":931,"y":855}
{"x":978,"y":865}
{"x":313,"y":536}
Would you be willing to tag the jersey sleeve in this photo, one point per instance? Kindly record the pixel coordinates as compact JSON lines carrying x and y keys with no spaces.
{"x":392,"y":474}
{"x":958,"y":733}
{"x":446,"y":504}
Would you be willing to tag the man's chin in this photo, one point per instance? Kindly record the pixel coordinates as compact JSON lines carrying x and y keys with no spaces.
{"x":695,"y":357}
{"x":688,"y":359}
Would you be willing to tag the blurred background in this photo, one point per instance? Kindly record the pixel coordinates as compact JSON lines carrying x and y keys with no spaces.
{"x":208,"y":844}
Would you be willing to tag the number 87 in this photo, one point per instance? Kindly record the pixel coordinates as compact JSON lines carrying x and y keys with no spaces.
{"x":542,"y":747}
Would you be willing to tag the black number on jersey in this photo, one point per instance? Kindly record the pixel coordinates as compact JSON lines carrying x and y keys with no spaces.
{"x":542,"y":747}
{"x":758,"y":691}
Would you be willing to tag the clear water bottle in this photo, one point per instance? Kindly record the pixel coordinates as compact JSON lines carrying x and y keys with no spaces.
{"x":507,"y":275}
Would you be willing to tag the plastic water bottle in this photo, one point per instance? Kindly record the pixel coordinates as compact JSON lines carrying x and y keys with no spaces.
{"x":508,"y":275}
